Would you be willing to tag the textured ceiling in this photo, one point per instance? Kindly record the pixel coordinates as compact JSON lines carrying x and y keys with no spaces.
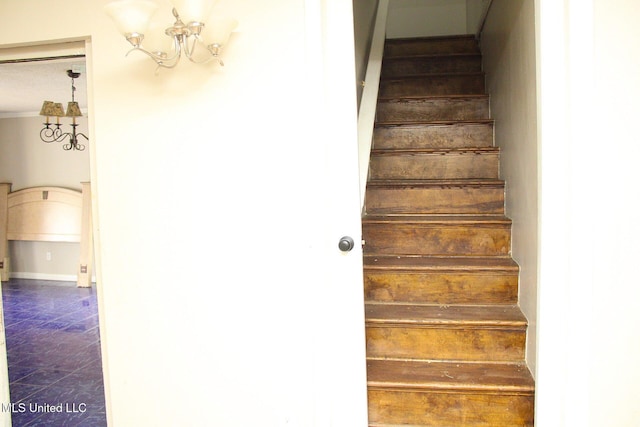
{"x":24,"y":85}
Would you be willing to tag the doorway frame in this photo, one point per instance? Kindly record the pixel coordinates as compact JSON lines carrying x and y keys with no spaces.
{"x":41,"y":49}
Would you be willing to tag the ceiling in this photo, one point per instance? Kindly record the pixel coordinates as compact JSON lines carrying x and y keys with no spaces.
{"x":24,"y":85}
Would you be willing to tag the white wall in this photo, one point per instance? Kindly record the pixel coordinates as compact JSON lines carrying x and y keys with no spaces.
{"x":588,"y":104}
{"x":476,"y":12}
{"x":509,"y":52}
{"x":421,"y":18}
{"x":425,"y":18}
{"x":615,"y":374}
{"x":212,"y":190}
{"x":25,"y":161}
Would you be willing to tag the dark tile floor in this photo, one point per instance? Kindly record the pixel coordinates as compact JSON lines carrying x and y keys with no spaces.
{"x":53,"y":351}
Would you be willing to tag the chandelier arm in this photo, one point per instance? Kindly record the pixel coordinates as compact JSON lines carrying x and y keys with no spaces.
{"x":50,"y":135}
{"x":185,"y":41}
{"x":215,"y":49}
{"x":189,"y":51}
{"x":212,"y":49}
{"x":73,"y":143}
{"x":72,"y":146}
{"x":159,"y":59}
{"x":204,"y":61}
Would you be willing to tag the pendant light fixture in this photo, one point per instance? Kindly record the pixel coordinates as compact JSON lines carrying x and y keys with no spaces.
{"x":193,"y":30}
{"x":50,"y":109}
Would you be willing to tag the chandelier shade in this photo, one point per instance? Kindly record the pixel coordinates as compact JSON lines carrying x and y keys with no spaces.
{"x":52,"y":109}
{"x":73,"y":110}
{"x":194,"y":10}
{"x":219,"y":31}
{"x":131,"y":16}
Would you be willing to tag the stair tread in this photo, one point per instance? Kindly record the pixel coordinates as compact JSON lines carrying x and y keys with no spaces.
{"x":439,"y":150}
{"x":433,"y":97}
{"x":400,"y":40}
{"x":439,"y":263}
{"x":449,"y":376}
{"x":437,"y":219}
{"x":409,"y":123}
{"x":431,"y":76}
{"x":395,"y":183}
{"x":422,"y":39}
{"x":432,"y":55}
{"x":431,"y":44}
{"x":444,"y":315}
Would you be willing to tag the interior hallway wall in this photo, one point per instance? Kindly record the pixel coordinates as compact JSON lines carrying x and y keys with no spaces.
{"x":509,"y":54}
{"x":421,"y":18}
{"x":26,"y":161}
{"x":589,"y":92}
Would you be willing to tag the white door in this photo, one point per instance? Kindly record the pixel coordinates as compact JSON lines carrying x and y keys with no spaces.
{"x":342,"y":365}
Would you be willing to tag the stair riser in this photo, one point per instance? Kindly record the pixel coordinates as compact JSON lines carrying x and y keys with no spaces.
{"x":430,"y":47}
{"x":431,"y":65}
{"x":464,"y":135}
{"x":445,"y":165}
{"x":435,"y":200}
{"x":419,"y":239}
{"x":436,"y":409}
{"x":441,"y":288}
{"x":433,"y":85}
{"x":446,"y":343}
{"x":427,"y":110}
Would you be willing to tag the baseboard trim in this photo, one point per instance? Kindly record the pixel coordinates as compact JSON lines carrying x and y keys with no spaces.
{"x":45,"y":276}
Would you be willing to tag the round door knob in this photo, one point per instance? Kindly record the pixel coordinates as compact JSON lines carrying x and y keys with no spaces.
{"x":346,"y":243}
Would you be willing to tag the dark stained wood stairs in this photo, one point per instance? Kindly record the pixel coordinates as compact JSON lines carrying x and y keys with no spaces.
{"x":445,"y":336}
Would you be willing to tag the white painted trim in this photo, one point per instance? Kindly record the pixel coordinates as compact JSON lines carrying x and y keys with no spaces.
{"x":5,"y":397}
{"x":50,"y":49}
{"x":18,"y":115}
{"x":369,"y":100}
{"x":45,"y":276}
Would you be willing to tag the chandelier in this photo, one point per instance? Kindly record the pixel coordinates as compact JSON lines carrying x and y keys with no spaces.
{"x":50,"y":109}
{"x":187,"y":35}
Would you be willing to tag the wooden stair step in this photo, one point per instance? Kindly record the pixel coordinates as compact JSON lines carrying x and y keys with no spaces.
{"x":460,"y":376}
{"x":431,"y":64}
{"x":443,"y":134}
{"x":430,"y":45}
{"x":433,"y":84}
{"x":434,"y":108}
{"x":440,"y":264}
{"x":441,"y":280}
{"x":427,"y":163}
{"x":446,"y":235}
{"x":438,"y":220}
{"x":434,"y":315}
{"x":461,"y":196}
{"x":445,"y":332}
{"x":432,"y":393}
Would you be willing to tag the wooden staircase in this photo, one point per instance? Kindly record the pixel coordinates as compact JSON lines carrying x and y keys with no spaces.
{"x":445,"y":336}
